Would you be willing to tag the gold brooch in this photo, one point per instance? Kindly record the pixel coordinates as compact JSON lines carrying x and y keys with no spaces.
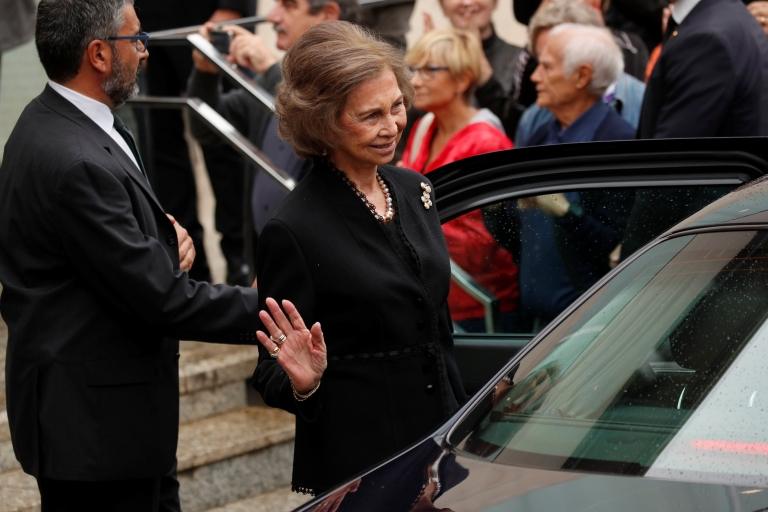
{"x":426,"y":199}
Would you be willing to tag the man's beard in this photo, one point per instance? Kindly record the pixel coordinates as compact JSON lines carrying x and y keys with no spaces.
{"x":121,"y":84}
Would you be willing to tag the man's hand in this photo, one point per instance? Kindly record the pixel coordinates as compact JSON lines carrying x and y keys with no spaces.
{"x":760,"y":11}
{"x":202,"y":64}
{"x":248,"y":50}
{"x":186,"y":246}
{"x":554,"y":205}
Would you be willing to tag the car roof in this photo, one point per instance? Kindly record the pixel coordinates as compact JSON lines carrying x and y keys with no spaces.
{"x":747,"y":205}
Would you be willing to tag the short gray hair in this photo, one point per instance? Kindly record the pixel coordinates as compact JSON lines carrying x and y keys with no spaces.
{"x":593,"y":46}
{"x":65,"y":28}
{"x":557,"y":12}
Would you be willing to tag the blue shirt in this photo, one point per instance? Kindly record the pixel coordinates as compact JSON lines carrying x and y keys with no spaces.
{"x":545,"y":286}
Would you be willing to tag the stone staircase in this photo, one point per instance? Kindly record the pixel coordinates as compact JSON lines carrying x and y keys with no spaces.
{"x":234,"y":454}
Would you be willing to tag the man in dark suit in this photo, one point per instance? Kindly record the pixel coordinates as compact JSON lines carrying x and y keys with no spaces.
{"x":711,"y":80}
{"x":95,"y":289}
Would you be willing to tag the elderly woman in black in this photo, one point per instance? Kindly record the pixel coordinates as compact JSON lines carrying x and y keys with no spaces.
{"x":357,"y":247}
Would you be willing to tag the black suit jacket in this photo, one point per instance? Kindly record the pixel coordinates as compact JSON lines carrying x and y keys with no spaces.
{"x":391,"y":376}
{"x":710,"y":80}
{"x":95,"y":303}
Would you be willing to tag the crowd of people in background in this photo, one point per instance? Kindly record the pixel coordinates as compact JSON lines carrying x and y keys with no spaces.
{"x":355,"y":255}
{"x":583,"y":85}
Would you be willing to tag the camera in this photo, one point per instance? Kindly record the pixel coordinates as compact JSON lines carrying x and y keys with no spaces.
{"x":220,"y":40}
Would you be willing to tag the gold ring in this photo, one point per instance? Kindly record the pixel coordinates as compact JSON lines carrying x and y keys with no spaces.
{"x":279,"y":340}
{"x":275,"y":352}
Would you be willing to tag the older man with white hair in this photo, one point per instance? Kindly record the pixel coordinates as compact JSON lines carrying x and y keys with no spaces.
{"x":565,"y":239}
{"x":577,"y":64}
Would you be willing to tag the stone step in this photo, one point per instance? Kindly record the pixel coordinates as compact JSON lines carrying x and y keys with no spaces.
{"x":234,"y":455}
{"x":7,"y":458}
{"x":279,"y":500}
{"x":221,"y":459}
{"x":212,"y":378}
{"x":18,"y":492}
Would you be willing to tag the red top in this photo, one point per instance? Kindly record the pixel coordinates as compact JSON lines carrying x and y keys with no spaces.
{"x":470,"y":244}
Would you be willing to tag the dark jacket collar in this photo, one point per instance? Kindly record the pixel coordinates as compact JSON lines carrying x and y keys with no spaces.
{"x":59,"y":104}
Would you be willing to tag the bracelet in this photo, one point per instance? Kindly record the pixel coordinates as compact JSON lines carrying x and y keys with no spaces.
{"x":299,"y":397}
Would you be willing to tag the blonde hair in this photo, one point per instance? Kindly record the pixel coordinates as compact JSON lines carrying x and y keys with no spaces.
{"x":456,"y":49}
{"x":320,"y":71}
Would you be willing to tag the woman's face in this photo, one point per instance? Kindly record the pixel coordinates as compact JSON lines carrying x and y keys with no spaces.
{"x":434,"y":86}
{"x":470,"y":14}
{"x":372,"y":121}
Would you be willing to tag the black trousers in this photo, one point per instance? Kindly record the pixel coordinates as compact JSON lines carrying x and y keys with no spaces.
{"x":136,"y":495}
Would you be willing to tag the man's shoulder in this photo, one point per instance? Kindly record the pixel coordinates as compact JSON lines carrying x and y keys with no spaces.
{"x":614,"y":127}
{"x":720,"y":18}
{"x":50,"y":140}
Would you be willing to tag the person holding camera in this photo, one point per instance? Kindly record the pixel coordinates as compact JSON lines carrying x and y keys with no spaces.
{"x":290,"y":20}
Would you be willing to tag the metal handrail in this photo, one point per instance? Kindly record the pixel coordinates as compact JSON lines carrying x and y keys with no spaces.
{"x":223,"y":128}
{"x":475,"y":290}
{"x":233,"y":72}
{"x":179,"y":35}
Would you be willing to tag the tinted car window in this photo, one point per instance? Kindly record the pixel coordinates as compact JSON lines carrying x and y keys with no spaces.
{"x":653,"y":373}
{"x":535,"y":255}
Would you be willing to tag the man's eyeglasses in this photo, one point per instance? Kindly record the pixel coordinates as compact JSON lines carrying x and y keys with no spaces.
{"x":140,"y":40}
{"x":427,"y":72}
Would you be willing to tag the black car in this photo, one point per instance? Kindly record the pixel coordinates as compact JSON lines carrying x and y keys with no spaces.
{"x":650,"y":391}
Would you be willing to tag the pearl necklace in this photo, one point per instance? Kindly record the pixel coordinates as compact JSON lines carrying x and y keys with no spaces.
{"x":389,"y":213}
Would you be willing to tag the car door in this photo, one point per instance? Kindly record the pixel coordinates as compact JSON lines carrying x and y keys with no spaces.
{"x":642,"y":188}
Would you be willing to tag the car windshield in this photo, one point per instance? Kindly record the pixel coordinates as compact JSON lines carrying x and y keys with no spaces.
{"x":662,"y":372}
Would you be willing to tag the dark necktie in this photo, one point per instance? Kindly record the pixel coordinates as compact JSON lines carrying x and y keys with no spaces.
{"x":125,"y":133}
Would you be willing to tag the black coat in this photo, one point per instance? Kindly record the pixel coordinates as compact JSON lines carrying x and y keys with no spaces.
{"x":391,"y":376}
{"x":710,"y":80}
{"x":95,"y":303}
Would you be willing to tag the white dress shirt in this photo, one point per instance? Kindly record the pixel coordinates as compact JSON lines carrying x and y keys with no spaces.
{"x":97,"y":112}
{"x":682,"y":8}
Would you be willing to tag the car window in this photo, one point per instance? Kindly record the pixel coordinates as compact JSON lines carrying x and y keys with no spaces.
{"x":531,"y":257}
{"x":660,"y":372}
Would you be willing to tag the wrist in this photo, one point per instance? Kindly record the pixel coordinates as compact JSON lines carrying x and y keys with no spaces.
{"x":300,"y":397}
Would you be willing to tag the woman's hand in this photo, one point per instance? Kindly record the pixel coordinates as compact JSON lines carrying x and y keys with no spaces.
{"x":299,"y":351}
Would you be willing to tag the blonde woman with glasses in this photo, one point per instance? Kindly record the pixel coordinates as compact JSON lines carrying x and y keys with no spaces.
{"x":445,"y":67}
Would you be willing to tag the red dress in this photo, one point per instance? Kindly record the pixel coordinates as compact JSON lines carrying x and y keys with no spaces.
{"x":470,"y":244}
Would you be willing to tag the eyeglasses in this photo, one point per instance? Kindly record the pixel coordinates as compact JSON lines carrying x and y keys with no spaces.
{"x":427,"y":72}
{"x":140,"y":40}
